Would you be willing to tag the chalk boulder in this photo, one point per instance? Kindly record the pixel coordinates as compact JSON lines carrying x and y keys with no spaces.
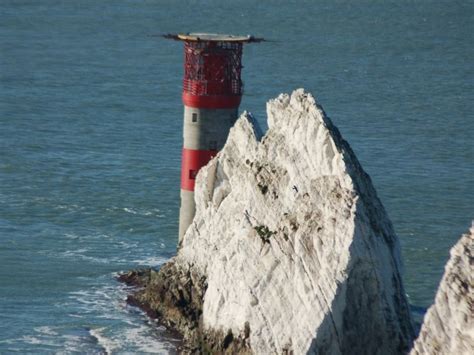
{"x":448,"y":327}
{"x":290,"y":251}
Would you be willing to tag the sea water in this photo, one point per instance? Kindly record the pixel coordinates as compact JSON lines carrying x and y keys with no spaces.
{"x":91,"y":135}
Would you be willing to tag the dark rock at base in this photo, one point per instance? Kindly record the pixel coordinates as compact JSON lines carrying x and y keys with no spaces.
{"x":174,"y":297}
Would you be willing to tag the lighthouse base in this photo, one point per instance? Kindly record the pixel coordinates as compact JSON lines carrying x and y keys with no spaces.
{"x":186,"y":212}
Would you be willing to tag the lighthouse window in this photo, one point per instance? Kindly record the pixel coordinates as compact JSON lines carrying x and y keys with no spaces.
{"x":192,"y":174}
{"x":195,"y":117}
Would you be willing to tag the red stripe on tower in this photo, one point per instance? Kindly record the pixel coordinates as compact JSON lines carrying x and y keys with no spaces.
{"x":192,"y":161}
{"x":211,"y":102}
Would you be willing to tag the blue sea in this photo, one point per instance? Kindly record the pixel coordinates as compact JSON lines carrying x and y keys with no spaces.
{"x":90,"y":141}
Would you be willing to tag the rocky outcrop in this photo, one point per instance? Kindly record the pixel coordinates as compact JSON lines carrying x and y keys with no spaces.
{"x":448,"y":327}
{"x":290,"y":251}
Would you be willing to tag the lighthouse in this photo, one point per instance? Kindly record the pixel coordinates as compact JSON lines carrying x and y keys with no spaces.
{"x":212,"y":91}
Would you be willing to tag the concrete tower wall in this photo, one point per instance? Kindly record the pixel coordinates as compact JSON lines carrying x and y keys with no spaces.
{"x":204,"y":134}
{"x":207,"y":129}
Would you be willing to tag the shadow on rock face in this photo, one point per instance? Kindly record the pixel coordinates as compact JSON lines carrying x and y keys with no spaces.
{"x":356,"y":305}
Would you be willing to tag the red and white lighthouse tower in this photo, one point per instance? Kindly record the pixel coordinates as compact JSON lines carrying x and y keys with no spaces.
{"x":212,"y":90}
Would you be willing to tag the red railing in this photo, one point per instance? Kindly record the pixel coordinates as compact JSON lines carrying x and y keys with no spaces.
{"x":212,"y":68}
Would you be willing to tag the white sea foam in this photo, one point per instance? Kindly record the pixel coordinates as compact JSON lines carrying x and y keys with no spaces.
{"x":81,"y":255}
{"x":142,"y":338}
{"x":71,"y":236}
{"x":115,"y":326}
{"x":87,"y":237}
{"x":75,"y":315}
{"x":131,"y":331}
{"x":106,"y":343}
{"x":71,"y":207}
{"x":46,"y":338}
{"x":101,"y":301}
{"x":33,"y":340}
{"x":129,"y":210}
{"x":128,"y":245}
{"x":72,"y":344}
{"x":143,"y":212}
{"x":150,"y":261}
{"x":45,"y":330}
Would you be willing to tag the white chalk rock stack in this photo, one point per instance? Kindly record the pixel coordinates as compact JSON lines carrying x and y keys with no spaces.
{"x":297,"y":249}
{"x":448,"y":327}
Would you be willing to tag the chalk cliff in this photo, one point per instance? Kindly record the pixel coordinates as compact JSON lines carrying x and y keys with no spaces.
{"x":448,"y":327}
{"x":290,"y":251}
